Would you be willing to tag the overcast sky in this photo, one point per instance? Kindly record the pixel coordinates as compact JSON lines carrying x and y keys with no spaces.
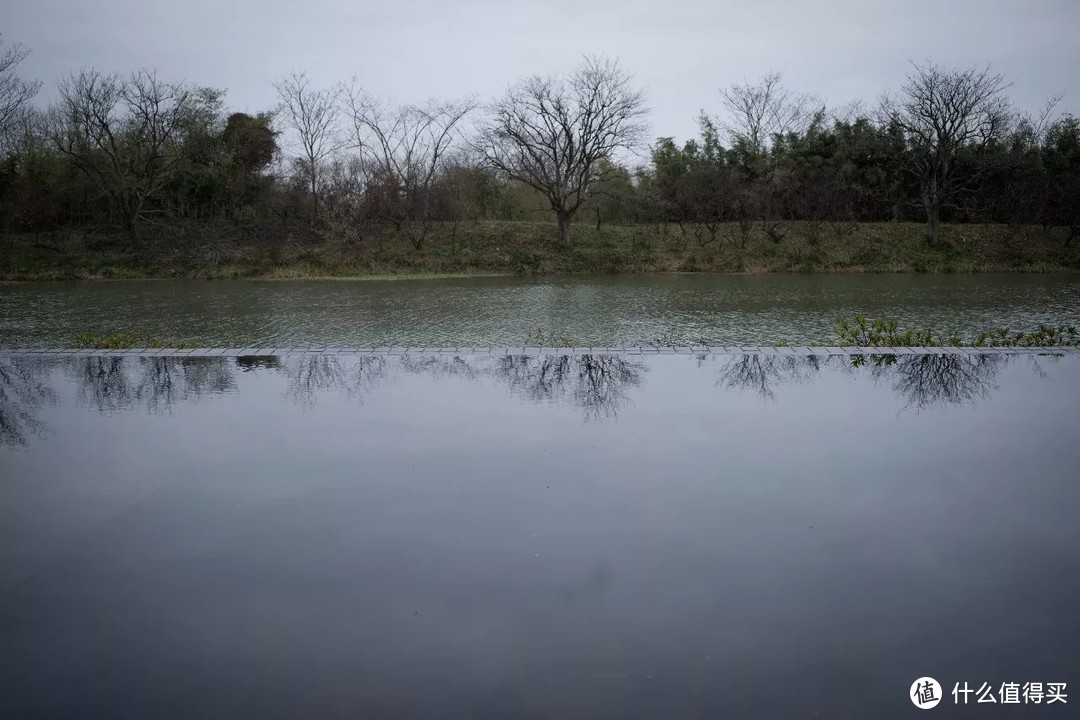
{"x":680,"y":51}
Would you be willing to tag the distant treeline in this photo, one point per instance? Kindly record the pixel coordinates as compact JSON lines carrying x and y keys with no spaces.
{"x":123,"y":150}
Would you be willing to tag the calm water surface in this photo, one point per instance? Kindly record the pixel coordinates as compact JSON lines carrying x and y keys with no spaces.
{"x":596,"y":311}
{"x":548,"y":537}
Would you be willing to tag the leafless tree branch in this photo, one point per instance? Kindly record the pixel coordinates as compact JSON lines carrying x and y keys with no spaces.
{"x":552,"y":133}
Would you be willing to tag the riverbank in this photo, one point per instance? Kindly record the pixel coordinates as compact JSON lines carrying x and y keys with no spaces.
{"x":272,"y":250}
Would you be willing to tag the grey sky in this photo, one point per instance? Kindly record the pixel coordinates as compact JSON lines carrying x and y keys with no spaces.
{"x":681,"y":51}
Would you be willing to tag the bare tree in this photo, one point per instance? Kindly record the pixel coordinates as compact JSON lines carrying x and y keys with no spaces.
{"x":121,"y":133}
{"x":313,"y":115}
{"x":467,"y":188}
{"x":552,"y":133}
{"x":849,"y":113}
{"x":755,"y":112}
{"x":755,"y":116}
{"x":347,"y":214}
{"x":946,"y":114}
{"x":15,"y":93}
{"x":408,"y":145}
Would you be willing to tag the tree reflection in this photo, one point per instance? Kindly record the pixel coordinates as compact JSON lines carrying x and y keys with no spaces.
{"x":599,"y":386}
{"x":101,"y":382}
{"x":438,"y":366}
{"x":24,"y":390}
{"x":761,"y":373}
{"x":596,"y":384}
{"x":251,"y":363}
{"x":921,"y":381}
{"x":310,"y":375}
{"x":161,"y":385}
{"x":111,"y":384}
{"x":927,"y":380}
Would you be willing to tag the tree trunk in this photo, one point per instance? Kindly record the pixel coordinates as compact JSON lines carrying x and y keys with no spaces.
{"x":564,"y":226}
{"x":417,"y":232}
{"x":933,"y":217}
{"x":713,"y":227}
{"x":931,"y":197}
{"x":129,"y":214}
{"x":314,"y":197}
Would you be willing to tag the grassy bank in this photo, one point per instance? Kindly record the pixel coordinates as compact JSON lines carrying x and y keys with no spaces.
{"x":271,"y":250}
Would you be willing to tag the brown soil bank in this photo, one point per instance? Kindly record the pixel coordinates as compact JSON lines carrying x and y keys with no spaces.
{"x":222,"y":249}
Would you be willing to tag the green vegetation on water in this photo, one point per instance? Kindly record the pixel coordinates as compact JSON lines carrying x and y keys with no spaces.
{"x":125,"y":340}
{"x":861,"y":331}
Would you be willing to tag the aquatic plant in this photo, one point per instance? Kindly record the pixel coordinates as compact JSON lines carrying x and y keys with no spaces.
{"x":126,"y":339}
{"x":861,"y":331}
{"x":549,"y":338}
{"x":1044,"y":336}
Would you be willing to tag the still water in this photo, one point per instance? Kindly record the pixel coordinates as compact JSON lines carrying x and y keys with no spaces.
{"x":594,"y":311}
{"x":549,"y":537}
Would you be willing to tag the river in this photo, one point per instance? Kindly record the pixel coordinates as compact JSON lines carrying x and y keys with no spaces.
{"x":596,"y":311}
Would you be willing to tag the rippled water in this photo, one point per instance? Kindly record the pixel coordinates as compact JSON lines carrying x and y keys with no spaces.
{"x":593,"y":311}
{"x":592,"y":536}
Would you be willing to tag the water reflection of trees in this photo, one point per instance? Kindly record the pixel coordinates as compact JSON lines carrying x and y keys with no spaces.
{"x":920,"y":381}
{"x":156,"y":385}
{"x":597,"y":386}
{"x":924,"y":381}
{"x":762,"y":373}
{"x":24,"y":390}
{"x":310,"y":375}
